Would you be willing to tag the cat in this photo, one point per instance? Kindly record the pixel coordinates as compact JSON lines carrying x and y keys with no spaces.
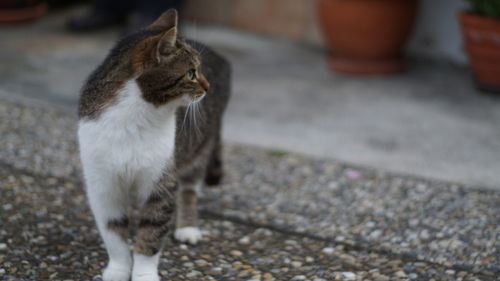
{"x":140,"y":141}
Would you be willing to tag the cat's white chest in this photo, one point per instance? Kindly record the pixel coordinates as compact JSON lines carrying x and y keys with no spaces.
{"x":130,"y":143}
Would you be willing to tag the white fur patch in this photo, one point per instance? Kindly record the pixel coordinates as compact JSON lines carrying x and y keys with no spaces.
{"x":112,"y":273}
{"x":129,"y":145}
{"x":188,"y":234}
{"x":145,"y":268}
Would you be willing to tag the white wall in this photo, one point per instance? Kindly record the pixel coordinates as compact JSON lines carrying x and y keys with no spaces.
{"x":437,"y":33}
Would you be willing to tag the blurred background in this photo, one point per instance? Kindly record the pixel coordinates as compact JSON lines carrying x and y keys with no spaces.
{"x":362,"y":141}
{"x":382,"y":83}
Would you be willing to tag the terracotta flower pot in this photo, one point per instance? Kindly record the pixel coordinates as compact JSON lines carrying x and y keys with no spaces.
{"x":482,"y":42}
{"x":366,"y":36}
{"x":13,"y":11}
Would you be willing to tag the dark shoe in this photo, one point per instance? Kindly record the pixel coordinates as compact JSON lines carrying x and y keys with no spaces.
{"x":94,"y":20}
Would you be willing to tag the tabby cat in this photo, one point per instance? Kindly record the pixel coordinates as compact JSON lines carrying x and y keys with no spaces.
{"x":150,"y":132}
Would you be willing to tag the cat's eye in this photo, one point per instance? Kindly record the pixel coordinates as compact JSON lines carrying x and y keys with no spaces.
{"x":191,"y":74}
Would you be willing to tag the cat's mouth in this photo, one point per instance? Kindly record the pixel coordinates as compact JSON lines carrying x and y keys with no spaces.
{"x":198,"y":96}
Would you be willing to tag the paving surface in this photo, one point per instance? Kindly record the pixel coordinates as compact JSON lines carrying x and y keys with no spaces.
{"x":50,"y":236}
{"x":429,"y":121}
{"x":277,"y":215}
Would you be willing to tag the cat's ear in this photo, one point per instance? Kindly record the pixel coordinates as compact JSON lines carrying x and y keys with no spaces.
{"x":166,"y":43}
{"x":166,"y":21}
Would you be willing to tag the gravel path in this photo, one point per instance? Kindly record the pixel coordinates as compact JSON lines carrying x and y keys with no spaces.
{"x":278,"y":215}
{"x":48,"y":234}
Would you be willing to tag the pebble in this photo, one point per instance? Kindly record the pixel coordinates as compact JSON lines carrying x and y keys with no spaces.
{"x":450,"y":272}
{"x":413,"y":276}
{"x":381,"y":278}
{"x":201,"y":262}
{"x":193,"y":274}
{"x":349,"y":275}
{"x":236,"y":253}
{"x":299,"y":277}
{"x":244,"y":240}
{"x":328,"y":250}
{"x":400,"y":273}
{"x":267,"y":276}
{"x":215,"y":271}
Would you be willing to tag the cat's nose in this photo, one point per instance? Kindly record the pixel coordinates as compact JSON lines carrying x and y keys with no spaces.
{"x":204,"y":83}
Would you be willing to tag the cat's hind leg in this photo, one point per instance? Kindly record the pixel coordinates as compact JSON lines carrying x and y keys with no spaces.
{"x":187,"y":213}
{"x":109,"y":206}
{"x":214,"y":173}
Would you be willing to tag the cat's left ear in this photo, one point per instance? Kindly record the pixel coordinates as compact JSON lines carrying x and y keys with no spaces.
{"x":166,"y":43}
{"x":169,"y":37}
{"x":166,"y":21}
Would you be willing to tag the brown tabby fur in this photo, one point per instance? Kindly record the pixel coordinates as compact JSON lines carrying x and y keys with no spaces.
{"x":158,"y":70}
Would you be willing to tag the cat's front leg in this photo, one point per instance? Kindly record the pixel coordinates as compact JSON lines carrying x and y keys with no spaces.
{"x":108,"y":205}
{"x":155,"y":221}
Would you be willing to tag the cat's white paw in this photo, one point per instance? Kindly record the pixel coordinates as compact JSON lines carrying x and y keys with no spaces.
{"x":151,"y":276}
{"x":189,"y":234}
{"x":115,"y":273}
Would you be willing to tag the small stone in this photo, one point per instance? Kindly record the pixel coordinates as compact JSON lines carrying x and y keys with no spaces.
{"x":244,"y":240}
{"x":381,"y":278}
{"x":413,"y":276}
{"x":267,"y":276}
{"x":201,"y":262}
{"x":299,"y":277}
{"x":319,"y":279}
{"x":244,"y":273}
{"x":349,"y":275}
{"x":215,"y":271}
{"x":236,"y":253}
{"x":188,"y":264}
{"x":296,"y":264}
{"x":3,"y":246}
{"x":2,"y":271}
{"x":328,"y":250}
{"x":193,"y":274}
{"x":309,"y":259}
{"x":450,"y":272}
{"x":400,"y":273}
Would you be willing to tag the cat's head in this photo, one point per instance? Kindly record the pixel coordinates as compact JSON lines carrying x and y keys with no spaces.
{"x":167,"y":68}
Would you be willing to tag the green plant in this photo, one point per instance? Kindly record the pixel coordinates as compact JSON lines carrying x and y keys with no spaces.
{"x":487,"y":8}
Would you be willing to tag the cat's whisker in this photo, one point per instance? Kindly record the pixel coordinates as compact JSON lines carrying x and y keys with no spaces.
{"x":195,"y":121}
{"x":185,"y":117}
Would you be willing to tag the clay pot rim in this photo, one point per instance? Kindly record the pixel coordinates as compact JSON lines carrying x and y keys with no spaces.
{"x":23,"y":14}
{"x":473,"y":19}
